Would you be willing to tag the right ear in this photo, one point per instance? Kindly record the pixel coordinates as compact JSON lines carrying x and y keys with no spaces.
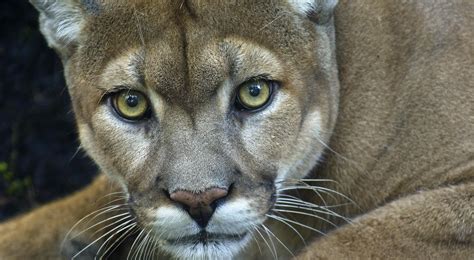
{"x":61,"y":22}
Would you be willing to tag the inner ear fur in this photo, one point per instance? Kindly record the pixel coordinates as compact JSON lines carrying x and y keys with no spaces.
{"x":61,"y":22}
{"x":318,"y":11}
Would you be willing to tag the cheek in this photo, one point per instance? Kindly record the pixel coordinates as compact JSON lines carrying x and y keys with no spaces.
{"x":305,"y":150}
{"x":285,"y":138}
{"x":270,"y":132}
{"x":125,"y":145}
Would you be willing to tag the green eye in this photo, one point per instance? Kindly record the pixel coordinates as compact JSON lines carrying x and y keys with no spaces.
{"x":130,"y":104}
{"x":254,"y":94}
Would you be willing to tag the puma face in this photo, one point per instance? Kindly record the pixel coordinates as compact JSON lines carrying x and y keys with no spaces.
{"x":202,"y":111}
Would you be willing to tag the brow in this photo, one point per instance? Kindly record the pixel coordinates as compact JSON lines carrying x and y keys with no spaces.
{"x":137,"y":62}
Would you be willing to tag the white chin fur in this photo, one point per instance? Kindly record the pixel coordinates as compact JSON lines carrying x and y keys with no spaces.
{"x":174,"y":225}
{"x":212,"y":250}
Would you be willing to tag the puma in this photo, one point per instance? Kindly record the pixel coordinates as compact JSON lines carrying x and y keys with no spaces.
{"x":263,"y":129}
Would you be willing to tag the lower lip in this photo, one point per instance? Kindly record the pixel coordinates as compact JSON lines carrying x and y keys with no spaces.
{"x":207,"y":238}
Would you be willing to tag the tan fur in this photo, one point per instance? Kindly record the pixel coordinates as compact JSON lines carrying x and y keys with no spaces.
{"x":397,"y":138}
{"x":40,"y":234}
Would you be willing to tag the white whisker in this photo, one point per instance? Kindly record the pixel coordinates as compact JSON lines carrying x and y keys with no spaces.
{"x":142,"y":246}
{"x":126,"y":228}
{"x":250,"y":230}
{"x":95,"y":241}
{"x":99,"y":212}
{"x":306,"y":214}
{"x":296,"y":200}
{"x":290,"y":180}
{"x":120,"y":239}
{"x":306,"y":187}
{"x":325,"y":211}
{"x":292,"y":203}
{"x":150,"y":247}
{"x":101,"y":222}
{"x":265,"y":241}
{"x":291,"y":227}
{"x":322,"y":189}
{"x":297,"y":223}
{"x":271,"y":241}
{"x":270,"y":232}
{"x":134,"y":242}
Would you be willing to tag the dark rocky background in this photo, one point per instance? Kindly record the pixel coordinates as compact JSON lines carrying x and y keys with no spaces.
{"x":38,"y":139}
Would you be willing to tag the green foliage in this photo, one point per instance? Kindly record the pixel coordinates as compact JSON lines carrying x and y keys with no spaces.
{"x":14,"y":186}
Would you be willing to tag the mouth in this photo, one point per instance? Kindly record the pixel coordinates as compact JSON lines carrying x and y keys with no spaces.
{"x":205,"y":238}
{"x":205,"y":245}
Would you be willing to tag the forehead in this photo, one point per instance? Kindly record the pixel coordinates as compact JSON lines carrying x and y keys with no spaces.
{"x":225,"y":15}
{"x":178,"y":43}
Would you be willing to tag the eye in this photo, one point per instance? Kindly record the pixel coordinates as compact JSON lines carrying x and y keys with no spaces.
{"x":254,"y":94}
{"x":131,"y":104}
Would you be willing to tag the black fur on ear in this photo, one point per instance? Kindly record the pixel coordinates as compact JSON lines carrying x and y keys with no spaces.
{"x":62,"y":20}
{"x":318,"y":11}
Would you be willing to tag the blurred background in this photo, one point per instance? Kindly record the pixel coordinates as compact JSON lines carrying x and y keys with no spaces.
{"x":38,"y":139}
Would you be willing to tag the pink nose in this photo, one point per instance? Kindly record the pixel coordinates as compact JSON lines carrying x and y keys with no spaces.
{"x":200,"y":206}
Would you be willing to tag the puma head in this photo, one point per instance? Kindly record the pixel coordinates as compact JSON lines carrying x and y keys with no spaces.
{"x":202,"y":110}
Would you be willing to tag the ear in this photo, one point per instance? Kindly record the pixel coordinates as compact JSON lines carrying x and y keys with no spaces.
{"x":319,"y":11}
{"x":61,"y":22}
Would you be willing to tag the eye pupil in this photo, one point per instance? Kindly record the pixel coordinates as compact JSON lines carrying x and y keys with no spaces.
{"x":132,"y":100}
{"x":254,"y":90}
{"x":253,"y":94}
{"x":130,"y":104}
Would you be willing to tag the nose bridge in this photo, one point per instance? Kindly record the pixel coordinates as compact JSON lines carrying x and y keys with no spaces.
{"x":200,"y":127}
{"x":196,"y":162}
{"x":196,"y":172}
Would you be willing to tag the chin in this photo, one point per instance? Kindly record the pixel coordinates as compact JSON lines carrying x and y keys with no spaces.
{"x":206,"y":246}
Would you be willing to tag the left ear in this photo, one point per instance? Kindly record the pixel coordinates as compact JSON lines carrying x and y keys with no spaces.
{"x":319,"y":11}
{"x":61,"y":22}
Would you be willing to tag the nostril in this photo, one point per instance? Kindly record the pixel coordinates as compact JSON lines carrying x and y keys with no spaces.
{"x":200,"y":206}
{"x":218,"y":202}
{"x":167,"y":194}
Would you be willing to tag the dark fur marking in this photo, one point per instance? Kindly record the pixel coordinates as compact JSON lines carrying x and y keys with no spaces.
{"x":74,"y":246}
{"x":91,"y":6}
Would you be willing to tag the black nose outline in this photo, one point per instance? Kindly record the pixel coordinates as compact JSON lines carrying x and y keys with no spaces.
{"x":201,"y":215}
